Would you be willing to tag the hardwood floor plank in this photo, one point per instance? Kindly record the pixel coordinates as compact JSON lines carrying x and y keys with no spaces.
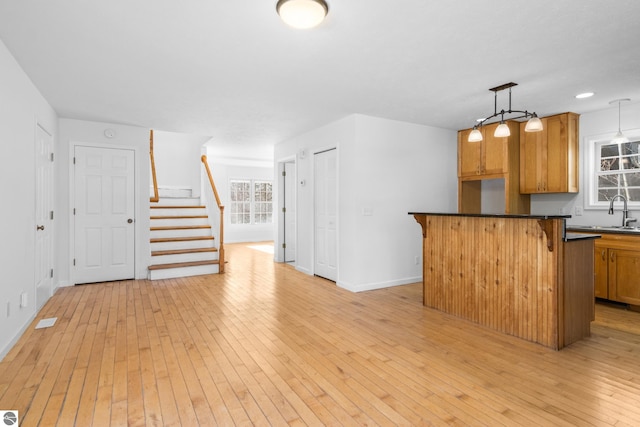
{"x":264,"y":344}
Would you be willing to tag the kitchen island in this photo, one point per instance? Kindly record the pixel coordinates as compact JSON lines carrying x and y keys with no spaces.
{"x":522,"y":275}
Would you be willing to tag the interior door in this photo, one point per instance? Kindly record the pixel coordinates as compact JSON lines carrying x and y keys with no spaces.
{"x":43,"y":269}
{"x":325,"y":214}
{"x":104,"y":214}
{"x":289,"y":212}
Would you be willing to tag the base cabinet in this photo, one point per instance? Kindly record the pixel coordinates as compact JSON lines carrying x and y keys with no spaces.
{"x":617,"y":268}
{"x":624,"y":276}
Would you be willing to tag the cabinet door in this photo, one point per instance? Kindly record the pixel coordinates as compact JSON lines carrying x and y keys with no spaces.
{"x":601,"y":264}
{"x":556,"y":164}
{"x":533,"y":155}
{"x":495,"y":157}
{"x":624,"y":280}
{"x":469,"y":155}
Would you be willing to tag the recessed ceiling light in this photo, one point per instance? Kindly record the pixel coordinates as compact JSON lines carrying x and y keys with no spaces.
{"x":585,"y":95}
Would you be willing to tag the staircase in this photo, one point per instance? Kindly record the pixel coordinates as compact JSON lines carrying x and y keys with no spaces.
{"x":182,"y":243}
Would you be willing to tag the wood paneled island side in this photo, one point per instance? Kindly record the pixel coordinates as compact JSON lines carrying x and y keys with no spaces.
{"x":518,"y":274}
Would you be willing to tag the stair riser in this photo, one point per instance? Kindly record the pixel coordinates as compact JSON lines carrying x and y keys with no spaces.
{"x":166,"y":246}
{"x":170,"y":259}
{"x":177,"y":201}
{"x":178,"y":222}
{"x":183,"y":272}
{"x":177,"y":212}
{"x":158,"y":234}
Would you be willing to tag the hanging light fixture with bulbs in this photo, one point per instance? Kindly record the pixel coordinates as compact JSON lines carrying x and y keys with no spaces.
{"x":619,"y":138}
{"x":533,"y":125}
{"x":302,"y":14}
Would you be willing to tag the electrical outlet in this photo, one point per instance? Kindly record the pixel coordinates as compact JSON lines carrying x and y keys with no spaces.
{"x":578,"y":210}
{"x":416,"y":260}
{"x":23,"y":300}
{"x":8,"y":308}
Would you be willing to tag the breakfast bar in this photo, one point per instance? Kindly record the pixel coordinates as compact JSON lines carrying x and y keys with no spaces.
{"x":522,"y":275}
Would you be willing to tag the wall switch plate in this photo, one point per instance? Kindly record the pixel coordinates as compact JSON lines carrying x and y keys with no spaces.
{"x":578,"y":210}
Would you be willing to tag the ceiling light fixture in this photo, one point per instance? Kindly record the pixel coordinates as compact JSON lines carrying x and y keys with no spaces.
{"x":619,"y":138}
{"x":533,"y":125}
{"x":302,"y":14}
{"x":585,"y":95}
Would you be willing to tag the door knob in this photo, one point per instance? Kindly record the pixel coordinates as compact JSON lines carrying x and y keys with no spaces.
{"x":129,"y":220}
{"x":40,"y":227}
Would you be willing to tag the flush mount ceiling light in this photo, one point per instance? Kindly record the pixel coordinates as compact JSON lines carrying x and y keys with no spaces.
{"x":619,"y":138}
{"x":584,"y":95}
{"x":302,"y":14}
{"x":533,"y":125}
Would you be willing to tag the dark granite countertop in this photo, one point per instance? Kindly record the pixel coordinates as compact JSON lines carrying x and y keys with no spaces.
{"x":569,"y":237}
{"x":520,"y":216}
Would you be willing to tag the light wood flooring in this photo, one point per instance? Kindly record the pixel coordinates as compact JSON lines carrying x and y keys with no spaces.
{"x":264,"y":344}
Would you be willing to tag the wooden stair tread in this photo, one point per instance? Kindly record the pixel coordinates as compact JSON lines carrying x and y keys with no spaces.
{"x":180,"y":239}
{"x":178,"y":207}
{"x":179,"y":217}
{"x":183,"y":251}
{"x":180,"y":227}
{"x":182,"y":264}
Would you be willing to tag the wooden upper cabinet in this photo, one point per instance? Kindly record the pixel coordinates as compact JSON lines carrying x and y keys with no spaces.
{"x":487,"y":157}
{"x":549,"y":159}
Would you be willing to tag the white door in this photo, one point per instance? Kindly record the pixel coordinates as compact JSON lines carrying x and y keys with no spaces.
{"x":289,"y":212}
{"x":104,"y":214}
{"x":43,"y":269}
{"x":325,"y":214}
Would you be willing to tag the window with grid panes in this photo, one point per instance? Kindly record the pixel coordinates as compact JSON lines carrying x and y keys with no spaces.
{"x":240,"y":196}
{"x":262,"y":207}
{"x":617,"y":171}
{"x":251,"y":202}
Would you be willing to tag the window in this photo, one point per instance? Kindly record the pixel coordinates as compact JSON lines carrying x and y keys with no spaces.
{"x":251,"y":202}
{"x":616,"y":170}
{"x":262,"y":212}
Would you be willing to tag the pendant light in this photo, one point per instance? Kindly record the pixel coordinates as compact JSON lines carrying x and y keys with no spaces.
{"x":302,"y":14}
{"x":619,"y":138}
{"x":533,"y":125}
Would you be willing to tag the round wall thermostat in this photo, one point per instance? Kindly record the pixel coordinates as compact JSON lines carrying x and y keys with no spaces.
{"x":109,"y":133}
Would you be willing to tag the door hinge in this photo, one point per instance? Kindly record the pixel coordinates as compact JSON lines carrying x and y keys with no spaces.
{"x":284,"y":246}
{"x":284,"y":173}
{"x":284,"y":210}
{"x":74,"y":261}
{"x":51,"y":273}
{"x":74,"y":160}
{"x":74,"y":211}
{"x":52,"y":157}
{"x":51,"y":215}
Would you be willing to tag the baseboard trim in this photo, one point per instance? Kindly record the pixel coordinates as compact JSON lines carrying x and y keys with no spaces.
{"x":378,"y":285}
{"x":17,"y":337}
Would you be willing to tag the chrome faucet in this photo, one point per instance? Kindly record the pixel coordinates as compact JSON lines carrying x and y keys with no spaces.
{"x":625,"y":211}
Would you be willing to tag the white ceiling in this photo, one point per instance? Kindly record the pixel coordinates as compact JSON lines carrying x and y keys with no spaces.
{"x":233,"y":71}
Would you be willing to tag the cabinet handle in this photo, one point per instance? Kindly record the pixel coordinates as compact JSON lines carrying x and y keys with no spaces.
{"x":611,"y":256}
{"x":538,"y":186}
{"x":604,"y":257}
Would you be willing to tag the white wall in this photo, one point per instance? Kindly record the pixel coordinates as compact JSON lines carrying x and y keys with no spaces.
{"x":222,"y":173}
{"x":385,"y":167}
{"x":599,"y":123}
{"x":79,"y":132}
{"x":21,"y":107}
{"x":177,"y":159}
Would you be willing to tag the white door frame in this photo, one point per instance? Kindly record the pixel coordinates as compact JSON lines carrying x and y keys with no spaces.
{"x":44,"y":224}
{"x":137,"y":208}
